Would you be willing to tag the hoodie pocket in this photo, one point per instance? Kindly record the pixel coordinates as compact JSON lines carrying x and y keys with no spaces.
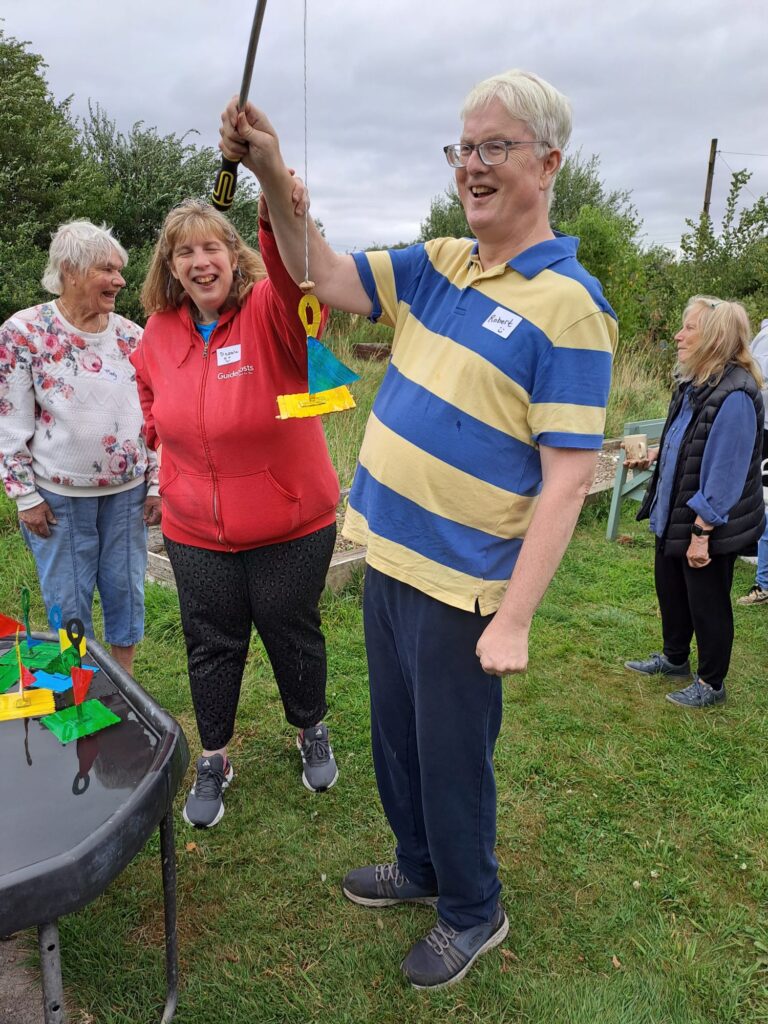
{"x":256,"y":509}
{"x":188,"y":502}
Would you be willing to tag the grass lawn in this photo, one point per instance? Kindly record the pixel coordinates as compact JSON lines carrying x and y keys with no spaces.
{"x":632,"y":837}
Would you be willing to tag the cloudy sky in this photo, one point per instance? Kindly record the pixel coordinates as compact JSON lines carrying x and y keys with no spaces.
{"x":651,"y":82}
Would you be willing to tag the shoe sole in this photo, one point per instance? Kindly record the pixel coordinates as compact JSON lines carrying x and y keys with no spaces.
{"x":225,"y":785}
{"x":666,"y":675}
{"x":387,"y":901}
{"x":694,"y":707}
{"x":319,"y":789}
{"x":496,"y":939}
{"x":750,"y":604}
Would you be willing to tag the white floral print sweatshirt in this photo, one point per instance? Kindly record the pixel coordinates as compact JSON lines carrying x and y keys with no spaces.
{"x":70,"y":418}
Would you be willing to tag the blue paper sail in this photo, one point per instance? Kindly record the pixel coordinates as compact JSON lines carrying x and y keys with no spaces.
{"x":325,"y":370}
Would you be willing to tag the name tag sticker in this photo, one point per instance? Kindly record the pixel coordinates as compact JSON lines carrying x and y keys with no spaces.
{"x":230,"y":354}
{"x":502,"y":322}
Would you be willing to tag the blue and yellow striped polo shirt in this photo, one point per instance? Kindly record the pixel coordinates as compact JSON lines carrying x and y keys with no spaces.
{"x":486,"y":366}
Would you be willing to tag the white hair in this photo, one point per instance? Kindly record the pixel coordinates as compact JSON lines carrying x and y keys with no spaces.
{"x":527,"y":98}
{"x":78,"y":245}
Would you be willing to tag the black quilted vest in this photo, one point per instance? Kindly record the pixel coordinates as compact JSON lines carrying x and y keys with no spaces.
{"x":746,"y":520}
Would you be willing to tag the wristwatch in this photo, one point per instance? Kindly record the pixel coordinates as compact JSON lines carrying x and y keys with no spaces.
{"x":699,"y":531}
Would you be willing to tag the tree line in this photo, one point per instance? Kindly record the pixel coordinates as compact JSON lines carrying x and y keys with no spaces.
{"x":55,"y":167}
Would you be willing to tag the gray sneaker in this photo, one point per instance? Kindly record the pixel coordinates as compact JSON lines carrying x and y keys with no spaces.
{"x":658,"y":664}
{"x":756,"y":596}
{"x":320,"y":771}
{"x":384,"y":885}
{"x":444,"y":956}
{"x":698,"y":695}
{"x":205,"y":806}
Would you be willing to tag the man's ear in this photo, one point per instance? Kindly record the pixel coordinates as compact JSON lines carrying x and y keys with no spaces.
{"x":551,"y":166}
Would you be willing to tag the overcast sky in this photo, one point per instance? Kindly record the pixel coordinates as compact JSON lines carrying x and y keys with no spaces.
{"x":651,"y":82}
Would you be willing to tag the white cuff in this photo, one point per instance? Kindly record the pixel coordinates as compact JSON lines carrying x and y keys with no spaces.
{"x":28,"y":501}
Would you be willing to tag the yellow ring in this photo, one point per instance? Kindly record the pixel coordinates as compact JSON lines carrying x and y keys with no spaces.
{"x":309,"y":303}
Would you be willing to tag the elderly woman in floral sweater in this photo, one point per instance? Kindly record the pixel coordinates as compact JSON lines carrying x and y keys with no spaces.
{"x":73,"y":458}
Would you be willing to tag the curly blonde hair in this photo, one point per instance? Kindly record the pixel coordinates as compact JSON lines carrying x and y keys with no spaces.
{"x":195,"y":219}
{"x":725,"y":336}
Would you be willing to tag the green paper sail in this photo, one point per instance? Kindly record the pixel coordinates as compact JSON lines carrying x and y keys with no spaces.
{"x":76,"y":722}
{"x":63,"y":662}
{"x":324,"y":369}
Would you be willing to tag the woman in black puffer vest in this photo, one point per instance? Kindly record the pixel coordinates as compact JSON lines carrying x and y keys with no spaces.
{"x":705,"y":500}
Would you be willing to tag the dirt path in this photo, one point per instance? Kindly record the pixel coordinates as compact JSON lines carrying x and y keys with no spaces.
{"x":21,"y":997}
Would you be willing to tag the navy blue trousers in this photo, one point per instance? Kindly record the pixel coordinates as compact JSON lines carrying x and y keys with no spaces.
{"x":435,"y":717}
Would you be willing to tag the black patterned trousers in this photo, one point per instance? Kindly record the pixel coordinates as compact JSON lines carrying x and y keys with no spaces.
{"x":275,"y":588}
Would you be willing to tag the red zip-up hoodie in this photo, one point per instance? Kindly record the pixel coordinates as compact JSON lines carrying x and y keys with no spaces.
{"x":232,"y":475}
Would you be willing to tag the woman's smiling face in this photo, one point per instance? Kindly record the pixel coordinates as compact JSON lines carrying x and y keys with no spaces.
{"x":204,"y":267}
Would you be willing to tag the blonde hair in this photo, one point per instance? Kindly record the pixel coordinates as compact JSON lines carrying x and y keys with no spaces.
{"x":195,"y":219}
{"x":78,"y":245}
{"x":725,"y":336}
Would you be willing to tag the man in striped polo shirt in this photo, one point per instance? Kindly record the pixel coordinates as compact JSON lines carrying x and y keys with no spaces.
{"x":479,"y":451}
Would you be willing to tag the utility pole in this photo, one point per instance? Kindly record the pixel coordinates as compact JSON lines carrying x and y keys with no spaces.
{"x":710,"y":175}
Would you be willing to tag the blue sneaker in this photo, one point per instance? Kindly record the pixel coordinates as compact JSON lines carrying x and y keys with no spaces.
{"x":658,"y":664}
{"x":384,"y":885}
{"x":445,"y":955}
{"x":698,"y":695}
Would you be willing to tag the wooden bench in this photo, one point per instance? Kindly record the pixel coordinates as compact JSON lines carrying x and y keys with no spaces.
{"x":625,"y":486}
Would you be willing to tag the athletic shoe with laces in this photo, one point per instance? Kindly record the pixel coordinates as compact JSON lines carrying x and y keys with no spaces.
{"x":445,"y":955}
{"x":320,"y":771}
{"x":756,"y":596}
{"x":659,"y":664}
{"x":698,"y":695}
{"x":384,"y":885}
{"x":205,"y":807}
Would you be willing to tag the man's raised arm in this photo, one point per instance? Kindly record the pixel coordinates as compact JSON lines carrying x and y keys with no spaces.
{"x":247,"y":136}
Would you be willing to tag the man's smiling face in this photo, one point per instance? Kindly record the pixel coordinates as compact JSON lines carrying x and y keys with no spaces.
{"x":496,"y":198}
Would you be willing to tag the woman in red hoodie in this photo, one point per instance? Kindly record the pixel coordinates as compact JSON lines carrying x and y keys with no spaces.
{"x":249,"y":500}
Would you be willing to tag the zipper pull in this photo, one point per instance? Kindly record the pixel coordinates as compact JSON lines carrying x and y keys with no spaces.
{"x":205,"y":348}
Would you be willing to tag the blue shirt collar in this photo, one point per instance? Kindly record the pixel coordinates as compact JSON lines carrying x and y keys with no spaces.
{"x":539,"y":257}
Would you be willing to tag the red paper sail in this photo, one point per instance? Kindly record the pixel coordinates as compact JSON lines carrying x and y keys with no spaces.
{"x":81,"y":680}
{"x":9,"y":626}
{"x":27,"y":679}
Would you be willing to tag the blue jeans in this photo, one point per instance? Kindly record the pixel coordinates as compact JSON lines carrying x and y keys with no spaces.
{"x":96,"y":543}
{"x":762,"y":559}
{"x":435,"y":717}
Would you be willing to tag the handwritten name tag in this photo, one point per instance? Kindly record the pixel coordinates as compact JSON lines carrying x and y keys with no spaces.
{"x":230,"y":354}
{"x":502,"y":322}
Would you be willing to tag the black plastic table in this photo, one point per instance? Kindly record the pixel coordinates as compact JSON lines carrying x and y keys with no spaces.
{"x":73,"y":816}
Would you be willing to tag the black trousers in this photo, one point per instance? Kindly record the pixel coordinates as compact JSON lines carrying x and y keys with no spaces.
{"x":276,"y":588}
{"x":697,"y":601}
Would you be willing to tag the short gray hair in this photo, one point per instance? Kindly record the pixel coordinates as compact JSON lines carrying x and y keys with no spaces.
{"x":78,"y":245}
{"x":527,"y":98}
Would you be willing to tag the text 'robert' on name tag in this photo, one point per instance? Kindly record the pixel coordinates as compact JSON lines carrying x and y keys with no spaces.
{"x":502,"y":322}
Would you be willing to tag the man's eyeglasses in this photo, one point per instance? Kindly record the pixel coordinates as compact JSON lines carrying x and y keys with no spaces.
{"x":491,"y":153}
